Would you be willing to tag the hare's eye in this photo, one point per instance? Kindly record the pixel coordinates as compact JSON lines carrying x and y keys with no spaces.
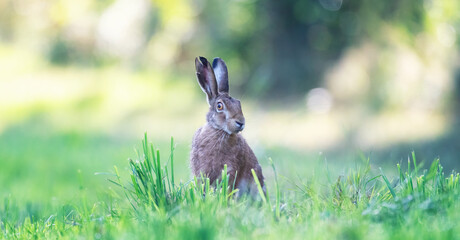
{"x":220,"y":106}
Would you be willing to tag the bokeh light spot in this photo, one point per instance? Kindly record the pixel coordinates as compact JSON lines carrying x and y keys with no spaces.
{"x":331,"y":5}
{"x":446,"y":34}
{"x":319,"y":100}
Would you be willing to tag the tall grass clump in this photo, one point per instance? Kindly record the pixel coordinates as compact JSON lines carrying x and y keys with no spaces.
{"x":152,"y":183}
{"x":428,"y":190}
{"x":431,"y":183}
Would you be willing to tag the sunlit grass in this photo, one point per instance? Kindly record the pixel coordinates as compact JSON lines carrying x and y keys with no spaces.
{"x":151,"y":202}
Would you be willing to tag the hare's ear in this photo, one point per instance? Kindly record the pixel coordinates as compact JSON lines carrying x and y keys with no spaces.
{"x":206,"y":78}
{"x":221,"y":72}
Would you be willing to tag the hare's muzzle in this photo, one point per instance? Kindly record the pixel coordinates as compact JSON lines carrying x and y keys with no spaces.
{"x":239,"y":125}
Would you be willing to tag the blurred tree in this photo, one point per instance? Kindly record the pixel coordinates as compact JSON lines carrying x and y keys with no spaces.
{"x":7,"y":20}
{"x":59,"y":52}
{"x":273,"y":47}
{"x":286,"y":46}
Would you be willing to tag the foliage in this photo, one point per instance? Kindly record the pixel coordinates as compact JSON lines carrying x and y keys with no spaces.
{"x":281,"y":47}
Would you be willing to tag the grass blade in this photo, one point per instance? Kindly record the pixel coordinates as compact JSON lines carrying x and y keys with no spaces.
{"x":259,"y":187}
{"x":392,"y":191}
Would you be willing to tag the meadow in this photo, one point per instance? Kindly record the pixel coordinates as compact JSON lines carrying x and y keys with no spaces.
{"x":144,"y":198}
{"x":65,"y":172}
{"x":351,"y":107}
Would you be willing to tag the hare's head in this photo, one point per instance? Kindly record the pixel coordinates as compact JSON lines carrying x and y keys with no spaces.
{"x":224,"y":111}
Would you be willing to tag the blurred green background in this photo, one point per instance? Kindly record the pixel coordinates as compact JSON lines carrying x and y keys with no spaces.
{"x":81,"y":81}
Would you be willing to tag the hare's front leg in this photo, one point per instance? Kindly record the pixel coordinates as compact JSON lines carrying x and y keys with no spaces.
{"x":247,"y":184}
{"x":216,"y":174}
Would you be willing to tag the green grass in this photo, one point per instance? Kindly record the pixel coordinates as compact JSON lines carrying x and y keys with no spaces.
{"x":148,"y":201}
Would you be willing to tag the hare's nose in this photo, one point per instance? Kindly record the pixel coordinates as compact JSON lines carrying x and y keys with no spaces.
{"x":239,"y":125}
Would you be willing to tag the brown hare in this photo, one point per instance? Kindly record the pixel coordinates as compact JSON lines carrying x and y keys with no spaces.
{"x":218,"y":142}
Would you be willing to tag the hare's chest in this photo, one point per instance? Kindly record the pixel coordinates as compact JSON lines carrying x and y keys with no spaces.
{"x":222,"y":151}
{"x":210,"y":154}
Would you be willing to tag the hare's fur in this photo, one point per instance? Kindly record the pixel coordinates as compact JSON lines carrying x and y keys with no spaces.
{"x":219,"y":142}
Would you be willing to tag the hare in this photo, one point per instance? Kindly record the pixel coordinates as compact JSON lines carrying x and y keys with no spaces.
{"x":219,"y":141}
